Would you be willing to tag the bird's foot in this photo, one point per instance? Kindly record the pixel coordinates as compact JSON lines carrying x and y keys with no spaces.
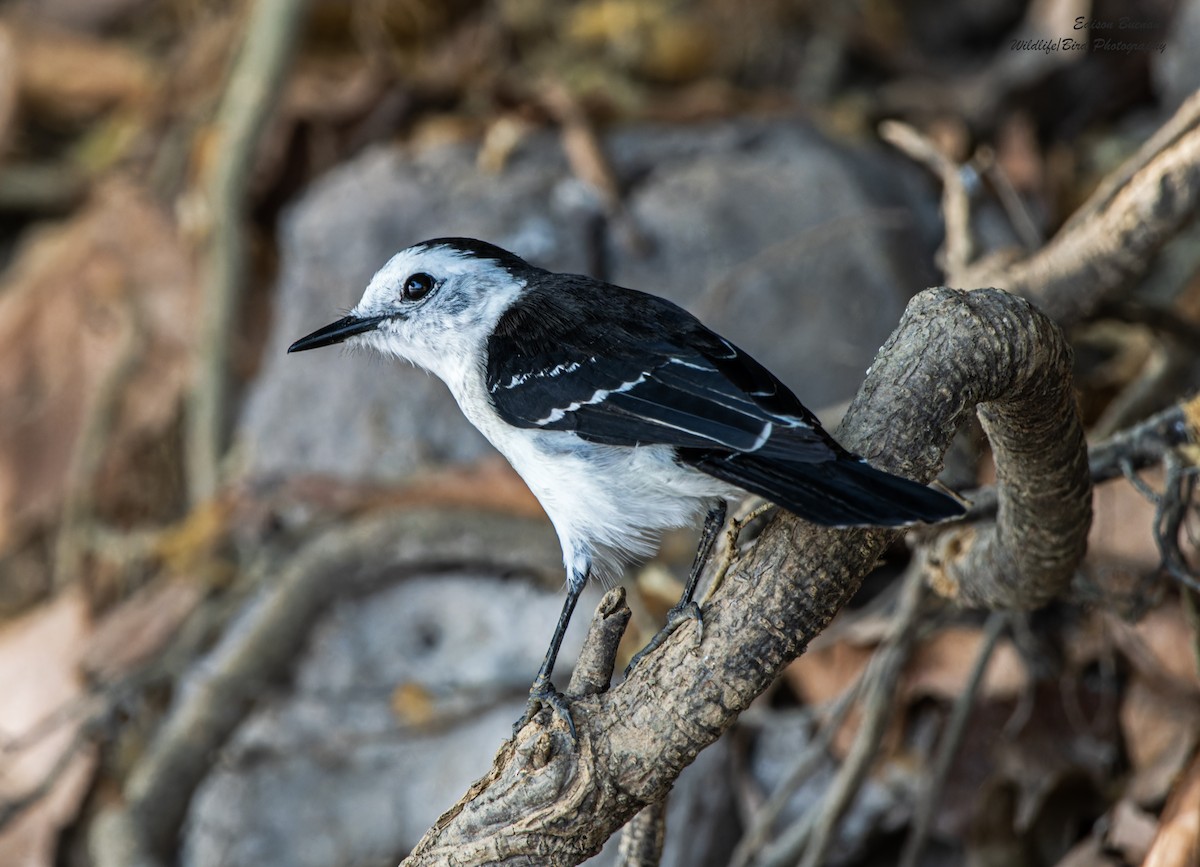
{"x":543,"y":695}
{"x":676,"y":617}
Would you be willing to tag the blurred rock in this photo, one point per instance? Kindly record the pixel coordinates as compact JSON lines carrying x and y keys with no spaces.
{"x":800,"y":251}
{"x":797,"y":251}
{"x":344,"y":769}
{"x":882,"y":806}
{"x":399,"y":703}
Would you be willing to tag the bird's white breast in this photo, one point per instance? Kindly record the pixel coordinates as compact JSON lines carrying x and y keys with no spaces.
{"x":607,"y":503}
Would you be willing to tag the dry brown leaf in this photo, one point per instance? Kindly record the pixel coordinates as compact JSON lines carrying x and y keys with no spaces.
{"x":1121,"y":536}
{"x":660,"y":40}
{"x":1178,"y":840}
{"x":943,"y":664}
{"x":1089,"y":853}
{"x":8,"y":86}
{"x":39,"y":677}
{"x":138,"y":628}
{"x":70,"y":75}
{"x":111,"y":287}
{"x":1160,"y":733}
{"x":1019,"y":153}
{"x":331,"y":90}
{"x":412,"y":704}
{"x":1171,"y":641}
{"x":824,"y":673}
{"x":187,"y":548}
{"x":1131,"y":830}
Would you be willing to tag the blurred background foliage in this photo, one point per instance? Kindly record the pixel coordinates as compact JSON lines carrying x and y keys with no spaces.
{"x":108,"y":138}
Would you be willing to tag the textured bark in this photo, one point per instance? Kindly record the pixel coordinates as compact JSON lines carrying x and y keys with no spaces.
{"x":548,"y":801}
{"x":1113,"y":240}
{"x":989,"y":350}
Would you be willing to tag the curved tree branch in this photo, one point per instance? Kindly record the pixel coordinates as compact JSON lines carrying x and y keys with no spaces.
{"x":257,"y":77}
{"x":1113,"y":238}
{"x":1027,"y":408}
{"x":548,"y":801}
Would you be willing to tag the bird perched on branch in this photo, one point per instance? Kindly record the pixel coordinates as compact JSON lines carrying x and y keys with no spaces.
{"x":621,"y":411}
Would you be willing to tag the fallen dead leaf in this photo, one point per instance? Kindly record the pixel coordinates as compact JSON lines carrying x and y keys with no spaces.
{"x":824,"y":673}
{"x":412,"y":704}
{"x":39,"y":678}
{"x":66,"y":74}
{"x":8,"y":86}
{"x":115,"y":286}
{"x":1178,"y":841}
{"x":138,"y":628}
{"x":1170,"y":642}
{"x":943,"y":663}
{"x":1121,"y":536}
{"x":1160,"y":732}
{"x":1131,"y":830}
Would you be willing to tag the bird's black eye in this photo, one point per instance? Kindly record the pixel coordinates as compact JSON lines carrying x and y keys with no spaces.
{"x":418,"y":286}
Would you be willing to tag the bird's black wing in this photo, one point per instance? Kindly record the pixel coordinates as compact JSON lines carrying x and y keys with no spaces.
{"x":621,"y":367}
{"x":624,"y":368}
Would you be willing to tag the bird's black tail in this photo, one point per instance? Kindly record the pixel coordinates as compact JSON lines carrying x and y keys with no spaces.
{"x":843,"y":492}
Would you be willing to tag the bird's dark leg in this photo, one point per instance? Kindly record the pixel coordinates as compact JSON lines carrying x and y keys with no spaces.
{"x":685,"y":609}
{"x":543,"y":693}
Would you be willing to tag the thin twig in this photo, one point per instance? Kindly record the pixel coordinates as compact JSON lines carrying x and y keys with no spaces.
{"x":1010,"y":199}
{"x":806,"y":763}
{"x":729,"y":553}
{"x":14,"y":807}
{"x":875,"y":715}
{"x":253,"y":89}
{"x":103,"y":414}
{"x":816,"y":832}
{"x":1186,"y":118}
{"x":1178,"y":489}
{"x":958,"y":249}
{"x":1171,"y":509}
{"x":956,"y":727}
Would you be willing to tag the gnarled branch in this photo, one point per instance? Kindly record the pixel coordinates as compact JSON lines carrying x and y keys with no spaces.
{"x":547,"y":800}
{"x":1113,"y":238}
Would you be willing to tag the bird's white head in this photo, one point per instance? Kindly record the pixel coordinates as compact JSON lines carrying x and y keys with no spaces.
{"x":432,"y":304}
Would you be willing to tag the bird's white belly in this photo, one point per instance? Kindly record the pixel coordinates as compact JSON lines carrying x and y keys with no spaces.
{"x":607,"y":503}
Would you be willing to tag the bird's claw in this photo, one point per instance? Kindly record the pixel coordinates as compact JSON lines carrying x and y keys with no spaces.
{"x":676,"y":617}
{"x":543,"y":695}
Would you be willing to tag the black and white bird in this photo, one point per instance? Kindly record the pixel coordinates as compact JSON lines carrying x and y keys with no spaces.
{"x":621,"y":411}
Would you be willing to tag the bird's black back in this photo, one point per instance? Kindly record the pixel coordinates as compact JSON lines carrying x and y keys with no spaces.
{"x":621,"y":367}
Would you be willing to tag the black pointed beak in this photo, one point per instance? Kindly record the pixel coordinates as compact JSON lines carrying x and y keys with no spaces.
{"x":336,"y":332}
